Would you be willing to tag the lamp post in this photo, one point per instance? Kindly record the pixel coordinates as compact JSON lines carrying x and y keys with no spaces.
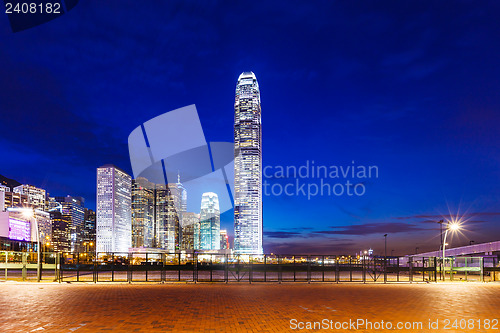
{"x":29,"y":214}
{"x":385,"y":258}
{"x":453,"y":227}
{"x":385,"y":246}
{"x":441,"y":246}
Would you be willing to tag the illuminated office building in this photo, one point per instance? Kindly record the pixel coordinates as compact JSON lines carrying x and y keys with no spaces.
{"x":12,"y":199}
{"x":209,"y":222}
{"x":167,"y":208}
{"x":113,"y":225}
{"x":190,"y":224}
{"x":143,"y":213}
{"x":182,"y":194}
{"x":224,"y":240}
{"x":247,"y":166}
{"x":36,"y":196}
{"x":88,"y":234}
{"x":73,"y":209}
{"x":61,"y":231}
{"x":44,"y":223}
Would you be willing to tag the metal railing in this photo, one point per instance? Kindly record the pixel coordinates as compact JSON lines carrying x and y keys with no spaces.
{"x":201,"y":267}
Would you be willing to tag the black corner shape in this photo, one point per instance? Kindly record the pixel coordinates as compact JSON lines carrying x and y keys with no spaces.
{"x":26,"y":14}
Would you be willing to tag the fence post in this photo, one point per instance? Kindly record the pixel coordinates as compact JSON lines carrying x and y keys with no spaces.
{"x":211,"y":266}
{"x":24,"y":259}
{"x":385,"y":269}
{"x":280,"y":275}
{"x":397,"y":274}
{"x":482,"y":269}
{"x":77,"y":267}
{"x":435,"y":269}
{"x":451,"y":269}
{"x":195,"y":267}
{"x":308,"y":269}
{"x":363,"y":264}
{"x":129,"y":268}
{"x":226,"y":268}
{"x":265,"y":268}
{"x":323,"y":268}
{"x":410,"y":269}
{"x":337,"y":273}
{"x":58,"y":272}
{"x":350,"y":269}
{"x":6,"y":262}
{"x":250,"y":274}
{"x":494,"y":272}
{"x":179,"y":262}
{"x":95,"y":272}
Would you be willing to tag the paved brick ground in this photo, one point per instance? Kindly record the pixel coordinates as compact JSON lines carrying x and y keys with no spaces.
{"x":31,"y":307}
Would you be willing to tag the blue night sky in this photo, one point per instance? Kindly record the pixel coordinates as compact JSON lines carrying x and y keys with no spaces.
{"x":409,"y":86}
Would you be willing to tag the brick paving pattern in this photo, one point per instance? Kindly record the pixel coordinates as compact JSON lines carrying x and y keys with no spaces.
{"x":31,"y":307}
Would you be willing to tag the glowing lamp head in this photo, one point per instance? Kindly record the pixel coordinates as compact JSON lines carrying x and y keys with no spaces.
{"x":27,"y":214}
{"x":454,"y":226}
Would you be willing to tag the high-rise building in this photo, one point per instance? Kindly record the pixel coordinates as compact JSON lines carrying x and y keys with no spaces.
{"x":73,"y":209}
{"x":88,"y":234}
{"x":183,"y":195}
{"x":247,"y":166}
{"x":44,"y":223}
{"x":209,"y":222}
{"x":168,"y":207}
{"x":143,"y":213}
{"x":12,"y":199}
{"x":36,"y":196}
{"x":61,"y":226}
{"x":113,"y":226}
{"x":224,"y":239}
{"x":190,"y":225}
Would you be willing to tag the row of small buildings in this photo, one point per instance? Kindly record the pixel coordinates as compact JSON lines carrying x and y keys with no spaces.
{"x":131,"y":214}
{"x":63,"y":223}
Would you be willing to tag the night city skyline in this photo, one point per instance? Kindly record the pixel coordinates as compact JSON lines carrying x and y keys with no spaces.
{"x":411,"y":88}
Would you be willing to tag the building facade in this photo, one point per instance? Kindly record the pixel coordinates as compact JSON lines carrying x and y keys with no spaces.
{"x":35,"y":195}
{"x":190,"y":225}
{"x":73,"y":210}
{"x":143,"y":213}
{"x":61,"y":227}
{"x":113,"y":216}
{"x":247,"y":166}
{"x":209,"y":222}
{"x":167,"y":213}
{"x":88,"y":234}
{"x":224,"y":240}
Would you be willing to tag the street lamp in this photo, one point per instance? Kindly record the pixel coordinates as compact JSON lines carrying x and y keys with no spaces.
{"x":453,"y":227}
{"x":385,"y":246}
{"x":29,"y":214}
{"x":385,"y":258}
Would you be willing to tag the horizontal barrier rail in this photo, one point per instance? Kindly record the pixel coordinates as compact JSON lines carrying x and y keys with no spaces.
{"x":202,"y":267}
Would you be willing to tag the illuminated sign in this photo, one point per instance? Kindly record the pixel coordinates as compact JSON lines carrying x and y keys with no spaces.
{"x":19,"y":230}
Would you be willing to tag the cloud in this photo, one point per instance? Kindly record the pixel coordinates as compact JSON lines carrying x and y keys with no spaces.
{"x":434,"y":217}
{"x":282,"y":234}
{"x":371,"y":228}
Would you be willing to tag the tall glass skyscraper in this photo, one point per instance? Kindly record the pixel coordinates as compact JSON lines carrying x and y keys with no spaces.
{"x":143,"y":210}
{"x":210,"y":222}
{"x":72,"y":208}
{"x":114,"y":214}
{"x":167,"y":214}
{"x":247,"y":166}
